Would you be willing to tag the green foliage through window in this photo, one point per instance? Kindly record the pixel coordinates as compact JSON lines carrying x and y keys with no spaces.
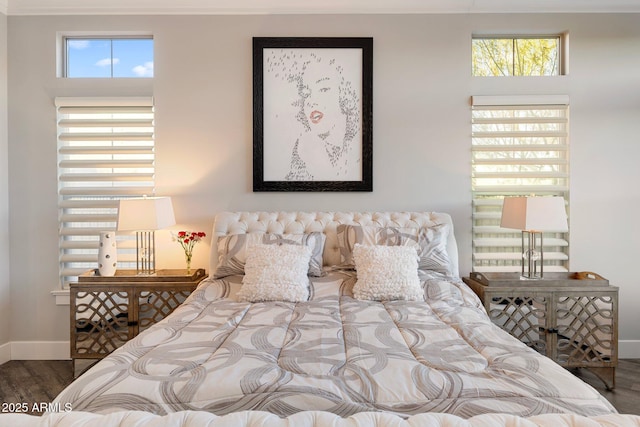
{"x":516,"y":56}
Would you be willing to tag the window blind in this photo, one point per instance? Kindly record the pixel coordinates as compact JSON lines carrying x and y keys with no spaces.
{"x":105,"y":153}
{"x":519,"y":148}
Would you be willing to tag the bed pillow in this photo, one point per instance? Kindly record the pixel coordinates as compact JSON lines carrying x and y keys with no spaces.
{"x":430,"y":242}
{"x":275,"y":273}
{"x":386,"y":273}
{"x":232,"y":250}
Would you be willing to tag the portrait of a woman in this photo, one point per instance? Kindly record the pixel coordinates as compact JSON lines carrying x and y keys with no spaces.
{"x":312,"y":119}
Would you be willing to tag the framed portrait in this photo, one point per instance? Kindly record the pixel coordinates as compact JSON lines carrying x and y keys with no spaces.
{"x":312,"y":113}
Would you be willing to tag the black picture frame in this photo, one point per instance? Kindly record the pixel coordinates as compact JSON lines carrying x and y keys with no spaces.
{"x":283,"y":130}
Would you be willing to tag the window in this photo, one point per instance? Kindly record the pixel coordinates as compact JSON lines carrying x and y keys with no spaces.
{"x":105,"y":152}
{"x":108,"y":57}
{"x":519,"y":147}
{"x":516,"y":56}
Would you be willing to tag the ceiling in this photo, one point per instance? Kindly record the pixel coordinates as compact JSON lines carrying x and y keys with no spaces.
{"x":227,"y":7}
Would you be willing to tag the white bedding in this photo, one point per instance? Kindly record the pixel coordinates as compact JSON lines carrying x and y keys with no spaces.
{"x":332,"y":353}
{"x":333,"y":360}
{"x":311,"y":419}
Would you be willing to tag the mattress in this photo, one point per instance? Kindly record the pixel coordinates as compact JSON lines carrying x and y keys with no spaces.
{"x":332,"y":353}
{"x":311,"y":419}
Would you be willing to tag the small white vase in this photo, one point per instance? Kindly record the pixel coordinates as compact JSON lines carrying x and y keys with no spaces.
{"x":107,"y":253}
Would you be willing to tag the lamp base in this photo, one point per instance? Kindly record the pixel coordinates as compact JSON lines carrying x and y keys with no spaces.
{"x":532,"y":258}
{"x":145,"y":273}
{"x":145,"y":253}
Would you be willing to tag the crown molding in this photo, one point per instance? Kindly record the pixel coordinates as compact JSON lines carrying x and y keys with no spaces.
{"x":258,"y":7}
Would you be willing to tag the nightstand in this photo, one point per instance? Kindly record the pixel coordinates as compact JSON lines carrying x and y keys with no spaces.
{"x":106,"y":312}
{"x":572,"y":321}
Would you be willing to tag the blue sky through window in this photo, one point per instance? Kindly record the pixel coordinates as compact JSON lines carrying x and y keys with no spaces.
{"x":109,"y":57}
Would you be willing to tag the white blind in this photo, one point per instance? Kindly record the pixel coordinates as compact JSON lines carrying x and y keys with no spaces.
{"x":519,"y":147}
{"x":105,"y":153}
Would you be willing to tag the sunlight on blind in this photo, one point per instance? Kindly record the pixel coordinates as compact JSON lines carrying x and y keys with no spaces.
{"x":518,"y":149}
{"x":105,"y":152}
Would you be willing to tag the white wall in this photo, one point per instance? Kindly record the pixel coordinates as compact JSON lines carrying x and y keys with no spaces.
{"x":422,"y":84}
{"x":4,"y":200}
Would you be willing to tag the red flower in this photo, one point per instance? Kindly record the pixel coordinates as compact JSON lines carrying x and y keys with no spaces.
{"x":188,"y":239}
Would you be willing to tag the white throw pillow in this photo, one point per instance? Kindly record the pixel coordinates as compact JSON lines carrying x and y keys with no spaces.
{"x":276,"y":273}
{"x":386,"y":273}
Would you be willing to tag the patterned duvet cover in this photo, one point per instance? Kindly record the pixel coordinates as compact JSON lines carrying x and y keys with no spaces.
{"x":332,"y":353}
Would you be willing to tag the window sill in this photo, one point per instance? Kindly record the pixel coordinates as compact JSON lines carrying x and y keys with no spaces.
{"x":61,"y":296}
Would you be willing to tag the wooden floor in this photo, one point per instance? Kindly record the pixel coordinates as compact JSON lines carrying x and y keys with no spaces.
{"x":626,"y":396}
{"x":35,"y":381}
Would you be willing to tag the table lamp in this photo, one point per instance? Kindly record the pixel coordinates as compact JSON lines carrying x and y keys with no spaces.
{"x":144,"y":216}
{"x":534,"y":215}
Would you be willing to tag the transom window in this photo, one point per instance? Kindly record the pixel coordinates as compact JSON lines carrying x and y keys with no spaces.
{"x":108,"y":57}
{"x":516,"y":56}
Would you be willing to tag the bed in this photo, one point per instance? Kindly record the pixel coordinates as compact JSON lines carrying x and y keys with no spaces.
{"x":330,"y":318}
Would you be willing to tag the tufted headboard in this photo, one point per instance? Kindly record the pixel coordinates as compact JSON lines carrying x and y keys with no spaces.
{"x":305,"y":222}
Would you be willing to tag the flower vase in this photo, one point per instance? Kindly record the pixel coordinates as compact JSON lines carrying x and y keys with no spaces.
{"x":188,"y":259}
{"x":107,"y":253}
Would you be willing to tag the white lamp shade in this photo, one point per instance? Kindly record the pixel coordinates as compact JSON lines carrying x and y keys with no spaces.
{"x":534,"y":214}
{"x":148,"y":213}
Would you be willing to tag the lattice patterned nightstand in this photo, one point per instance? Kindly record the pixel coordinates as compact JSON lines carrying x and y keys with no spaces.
{"x":106,"y":312}
{"x":572,"y":321}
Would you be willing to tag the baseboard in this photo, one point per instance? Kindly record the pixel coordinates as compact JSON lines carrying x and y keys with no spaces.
{"x":629,"y":349}
{"x":40,"y":350}
{"x":5,"y":353}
